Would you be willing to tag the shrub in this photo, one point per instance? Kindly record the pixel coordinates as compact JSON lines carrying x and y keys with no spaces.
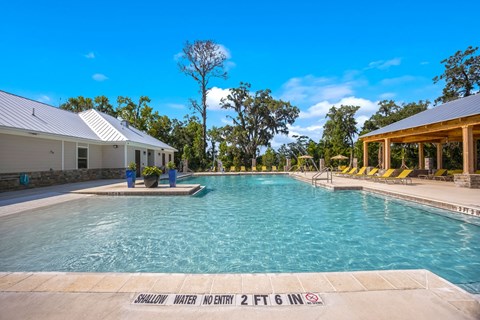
{"x":151,"y":171}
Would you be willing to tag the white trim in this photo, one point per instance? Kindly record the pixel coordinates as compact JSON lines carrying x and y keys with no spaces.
{"x":125,"y":154}
{"x":63,"y":155}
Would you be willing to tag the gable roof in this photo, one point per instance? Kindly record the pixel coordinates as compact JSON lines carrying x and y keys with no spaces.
{"x":25,"y":114}
{"x":32,"y":116}
{"x":460,"y":108}
{"x":109,"y":128}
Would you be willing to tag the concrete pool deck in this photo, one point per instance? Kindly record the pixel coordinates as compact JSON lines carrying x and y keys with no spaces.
{"x":408,"y":294}
{"x":412,"y":294}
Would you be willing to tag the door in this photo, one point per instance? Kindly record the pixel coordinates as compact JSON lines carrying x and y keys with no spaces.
{"x":137,"y":161}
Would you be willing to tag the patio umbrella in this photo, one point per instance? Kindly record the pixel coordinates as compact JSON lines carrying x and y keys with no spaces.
{"x":305,"y":157}
{"x":339,"y":157}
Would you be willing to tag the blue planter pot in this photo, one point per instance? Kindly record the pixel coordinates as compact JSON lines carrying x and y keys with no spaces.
{"x":172,"y":178}
{"x":130,"y":178}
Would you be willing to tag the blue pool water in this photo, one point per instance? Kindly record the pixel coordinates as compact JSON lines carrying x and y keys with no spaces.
{"x":242,"y":224}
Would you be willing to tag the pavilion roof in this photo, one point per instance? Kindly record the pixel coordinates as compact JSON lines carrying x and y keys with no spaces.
{"x":460,"y":108}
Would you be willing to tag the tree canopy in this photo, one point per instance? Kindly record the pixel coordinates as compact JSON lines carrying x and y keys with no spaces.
{"x":202,"y":60}
{"x":258,"y":118}
{"x":340,"y":129}
{"x":461,"y":75}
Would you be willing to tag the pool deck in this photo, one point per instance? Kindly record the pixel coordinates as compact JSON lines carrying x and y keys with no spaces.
{"x":409,"y":294}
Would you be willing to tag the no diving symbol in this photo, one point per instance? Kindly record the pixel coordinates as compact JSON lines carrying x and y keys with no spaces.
{"x":313,"y":298}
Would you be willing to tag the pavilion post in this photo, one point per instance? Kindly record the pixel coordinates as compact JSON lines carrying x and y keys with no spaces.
{"x":467,"y":135}
{"x":439,"y":155}
{"x":475,"y":155}
{"x":386,"y":159}
{"x":365,"y":153}
{"x":421,"y":156}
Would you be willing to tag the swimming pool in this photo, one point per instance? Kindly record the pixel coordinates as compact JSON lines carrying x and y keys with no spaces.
{"x":242,"y":224}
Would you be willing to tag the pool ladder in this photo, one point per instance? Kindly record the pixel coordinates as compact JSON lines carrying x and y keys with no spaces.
{"x":328,"y":177}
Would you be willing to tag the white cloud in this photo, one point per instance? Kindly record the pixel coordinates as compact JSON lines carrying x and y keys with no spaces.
{"x":361,"y":120}
{"x":99,"y":77}
{"x":281,"y":139}
{"x":424,"y":63}
{"x":226,"y":121}
{"x":387,"y":95}
{"x":384,"y":65}
{"x":310,"y":89}
{"x":44,"y":99}
{"x":398,"y":80}
{"x":90,"y":55}
{"x":177,"y":56}
{"x":225,"y":51}
{"x":214,"y":96}
{"x":320,"y":109}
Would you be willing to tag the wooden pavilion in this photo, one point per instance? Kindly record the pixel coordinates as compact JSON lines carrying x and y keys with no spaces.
{"x":457,"y":120}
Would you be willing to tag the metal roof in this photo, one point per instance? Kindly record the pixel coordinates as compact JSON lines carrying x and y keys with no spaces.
{"x":32,"y":116}
{"x":460,"y":108}
{"x":109,"y":128}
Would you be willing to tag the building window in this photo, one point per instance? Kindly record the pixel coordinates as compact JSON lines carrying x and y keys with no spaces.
{"x":169,"y":157}
{"x":82,"y":158}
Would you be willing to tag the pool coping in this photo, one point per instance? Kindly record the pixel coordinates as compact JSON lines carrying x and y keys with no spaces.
{"x":72,"y":284}
{"x":325,"y":284}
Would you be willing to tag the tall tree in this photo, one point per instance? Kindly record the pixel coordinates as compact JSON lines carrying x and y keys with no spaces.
{"x":77,"y":104}
{"x":461,"y":75}
{"x":137,"y":114}
{"x":341,"y":128}
{"x":389,"y":112}
{"x":259,"y":117}
{"x":215,"y":135}
{"x":188,"y":140}
{"x":202,"y":60}
{"x":102,"y":104}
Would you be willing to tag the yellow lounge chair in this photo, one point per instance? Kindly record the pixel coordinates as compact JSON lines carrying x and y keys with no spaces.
{"x":264,"y":168}
{"x":360,"y":172}
{"x":345,"y":171}
{"x":449,"y":175}
{"x":242,"y":169}
{"x":438,"y":173}
{"x":233,"y":169}
{"x":274,"y":168}
{"x":384,"y":176}
{"x":370,"y":174}
{"x":254,"y":169}
{"x":349,"y":173}
{"x":402,"y":177}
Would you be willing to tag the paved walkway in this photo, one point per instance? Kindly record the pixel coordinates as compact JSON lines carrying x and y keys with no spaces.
{"x":443,"y":194}
{"x":389,"y":295}
{"x":412,"y":294}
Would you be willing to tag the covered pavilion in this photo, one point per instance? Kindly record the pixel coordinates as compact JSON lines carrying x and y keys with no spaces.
{"x":457,"y":120}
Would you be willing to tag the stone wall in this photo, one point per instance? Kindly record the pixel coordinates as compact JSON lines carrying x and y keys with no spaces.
{"x":11,"y":181}
{"x":467,"y":180}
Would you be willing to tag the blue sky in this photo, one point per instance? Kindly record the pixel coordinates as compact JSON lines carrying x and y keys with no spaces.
{"x":313,"y":53}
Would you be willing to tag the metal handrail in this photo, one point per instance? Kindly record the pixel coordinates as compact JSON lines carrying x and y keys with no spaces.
{"x":328,"y":171}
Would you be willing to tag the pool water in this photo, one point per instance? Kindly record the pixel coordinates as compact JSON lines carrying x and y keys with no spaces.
{"x":242,"y":224}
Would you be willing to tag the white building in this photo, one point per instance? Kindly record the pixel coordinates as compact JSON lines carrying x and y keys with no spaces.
{"x":36,"y":137}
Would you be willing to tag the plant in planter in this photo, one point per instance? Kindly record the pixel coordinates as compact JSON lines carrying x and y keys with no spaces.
{"x":150,"y":176}
{"x":131,"y":175}
{"x":172,"y":174}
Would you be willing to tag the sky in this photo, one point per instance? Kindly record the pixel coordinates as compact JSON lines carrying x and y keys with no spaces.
{"x":315,"y":54}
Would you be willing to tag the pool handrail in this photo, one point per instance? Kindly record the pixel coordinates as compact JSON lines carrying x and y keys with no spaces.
{"x":329,"y":176}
